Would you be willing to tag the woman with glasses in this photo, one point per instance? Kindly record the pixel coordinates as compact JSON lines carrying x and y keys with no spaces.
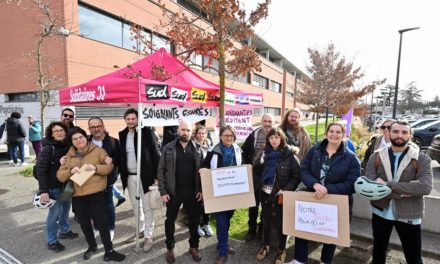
{"x":226,"y":153}
{"x":328,"y":168}
{"x":378,"y":141}
{"x":89,"y":199}
{"x":50,"y":187}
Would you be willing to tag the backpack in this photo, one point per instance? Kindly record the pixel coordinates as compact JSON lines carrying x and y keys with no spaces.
{"x":34,"y":169}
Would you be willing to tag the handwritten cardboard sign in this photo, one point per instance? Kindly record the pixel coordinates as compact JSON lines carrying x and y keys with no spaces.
{"x":240,"y":120}
{"x":325,"y":220}
{"x":82,"y":176}
{"x":231,"y":196}
{"x":228,"y":181}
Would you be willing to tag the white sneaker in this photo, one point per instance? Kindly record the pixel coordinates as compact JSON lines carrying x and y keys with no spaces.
{"x":293,"y":262}
{"x":112,"y":234}
{"x":148,"y":244}
{"x":200,"y":231}
{"x":24,"y":164}
{"x":11,"y":162}
{"x":95,"y":233}
{"x":208,"y":230}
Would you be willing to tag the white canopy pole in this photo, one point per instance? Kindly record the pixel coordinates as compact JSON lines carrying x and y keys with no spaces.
{"x":138,"y":174}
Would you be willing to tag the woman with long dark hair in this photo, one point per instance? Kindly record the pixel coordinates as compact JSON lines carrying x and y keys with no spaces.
{"x":89,"y":199}
{"x":278,"y":168}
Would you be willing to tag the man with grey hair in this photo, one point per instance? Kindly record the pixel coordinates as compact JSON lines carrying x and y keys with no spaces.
{"x":252,"y":148}
{"x":179,"y":183}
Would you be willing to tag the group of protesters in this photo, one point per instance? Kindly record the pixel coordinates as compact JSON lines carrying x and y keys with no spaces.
{"x":283,"y":159}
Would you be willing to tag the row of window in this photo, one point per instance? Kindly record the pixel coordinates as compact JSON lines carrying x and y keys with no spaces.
{"x":101,"y":27}
{"x":263,"y":82}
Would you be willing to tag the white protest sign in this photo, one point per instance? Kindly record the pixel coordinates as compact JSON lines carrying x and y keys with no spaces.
{"x":169,"y":115}
{"x":240,"y":120}
{"x":316,"y":218}
{"x":230,"y":181}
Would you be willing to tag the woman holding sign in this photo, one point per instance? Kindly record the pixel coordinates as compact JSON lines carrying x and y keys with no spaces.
{"x":89,"y":199}
{"x":226,"y":153}
{"x":278,"y":168}
{"x":328,"y":168}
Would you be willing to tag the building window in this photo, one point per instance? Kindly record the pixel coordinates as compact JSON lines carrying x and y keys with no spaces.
{"x":260,"y":81}
{"x":289,"y":94}
{"x":111,"y":30}
{"x":272,"y":110}
{"x":22,"y":97}
{"x":275,"y":87}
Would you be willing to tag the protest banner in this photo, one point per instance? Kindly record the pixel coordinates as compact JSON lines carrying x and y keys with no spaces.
{"x":227,"y":188}
{"x":240,"y":120}
{"x":325,"y":220}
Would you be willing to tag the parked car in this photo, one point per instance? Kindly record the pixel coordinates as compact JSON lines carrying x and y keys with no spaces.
{"x":423,"y":135}
{"x":422,"y":122}
{"x":434,"y":150}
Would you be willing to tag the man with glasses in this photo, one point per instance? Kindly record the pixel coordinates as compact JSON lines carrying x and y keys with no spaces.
{"x":101,"y":138}
{"x":378,"y":141}
{"x":408,"y":173}
{"x":149,"y":161}
{"x":252,"y":148}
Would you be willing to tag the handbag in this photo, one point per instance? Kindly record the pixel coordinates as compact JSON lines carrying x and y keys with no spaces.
{"x":4,"y":136}
{"x":67,"y":191}
{"x":156,"y":202}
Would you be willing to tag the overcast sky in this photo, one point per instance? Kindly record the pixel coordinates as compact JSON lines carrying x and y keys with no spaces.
{"x":365,"y":32}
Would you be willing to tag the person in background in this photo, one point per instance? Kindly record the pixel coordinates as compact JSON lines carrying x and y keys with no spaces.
{"x":89,"y":199}
{"x":50,"y":187}
{"x":226,"y":153}
{"x":111,"y":145}
{"x":378,"y":141}
{"x":408,"y":173}
{"x":16,"y":135}
{"x":208,"y":133}
{"x":328,"y":168}
{"x":296,"y":134}
{"x":149,"y":160}
{"x":278,"y":168}
{"x":252,"y":148}
{"x":35,"y":135}
{"x":179,"y":183}
{"x":67,"y":117}
{"x":200,"y":137}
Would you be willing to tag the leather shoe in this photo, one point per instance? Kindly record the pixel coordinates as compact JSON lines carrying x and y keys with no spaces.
{"x":220,"y":260}
{"x":231,"y":251}
{"x":169,"y":257}
{"x":195,"y":254}
{"x":89,"y":252}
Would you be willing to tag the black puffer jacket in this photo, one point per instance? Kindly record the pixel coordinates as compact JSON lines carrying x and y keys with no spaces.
{"x":15,"y":129}
{"x":287,"y":173}
{"x":48,"y":164}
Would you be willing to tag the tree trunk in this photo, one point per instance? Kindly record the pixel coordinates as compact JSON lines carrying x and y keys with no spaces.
{"x":221,"y":74}
{"x":316,"y":126}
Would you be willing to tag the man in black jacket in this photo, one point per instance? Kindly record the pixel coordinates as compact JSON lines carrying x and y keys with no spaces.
{"x":16,"y":135}
{"x":252,"y":148}
{"x":102,"y":139}
{"x":179,"y":182}
{"x":149,"y":161}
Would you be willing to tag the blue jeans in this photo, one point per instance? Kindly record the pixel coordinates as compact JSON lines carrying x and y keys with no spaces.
{"x":223,"y":221}
{"x":110,"y":207}
{"x":58,"y":217}
{"x":13,"y":151}
{"x":117,"y":193}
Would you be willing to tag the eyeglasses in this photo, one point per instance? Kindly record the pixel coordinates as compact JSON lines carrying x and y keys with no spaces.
{"x":96,"y":127}
{"x":227,"y":135}
{"x":385,"y":127}
{"x":67,"y":115}
{"x":58,"y":131}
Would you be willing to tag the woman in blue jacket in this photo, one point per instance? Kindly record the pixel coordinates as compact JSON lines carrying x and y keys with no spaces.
{"x":328,"y":168}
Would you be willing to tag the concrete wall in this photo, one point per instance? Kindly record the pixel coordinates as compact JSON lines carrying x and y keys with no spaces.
{"x":361,"y":209}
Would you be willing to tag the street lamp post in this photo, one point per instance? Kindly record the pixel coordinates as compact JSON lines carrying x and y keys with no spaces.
{"x":396,"y":90}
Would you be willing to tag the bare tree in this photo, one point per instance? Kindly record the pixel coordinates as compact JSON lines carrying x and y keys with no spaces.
{"x":411,"y":97}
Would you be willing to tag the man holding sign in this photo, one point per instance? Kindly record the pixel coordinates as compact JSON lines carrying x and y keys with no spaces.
{"x":179,"y":183}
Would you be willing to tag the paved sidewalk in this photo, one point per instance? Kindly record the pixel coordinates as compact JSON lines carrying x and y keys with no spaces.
{"x":23,"y":235}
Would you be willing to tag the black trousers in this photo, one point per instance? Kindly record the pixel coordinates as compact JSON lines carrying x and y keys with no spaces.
{"x":270,"y":205}
{"x":204,"y":216}
{"x":410,"y":237}
{"x":253,"y":212}
{"x":93,"y":207}
{"x":192,"y":208}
